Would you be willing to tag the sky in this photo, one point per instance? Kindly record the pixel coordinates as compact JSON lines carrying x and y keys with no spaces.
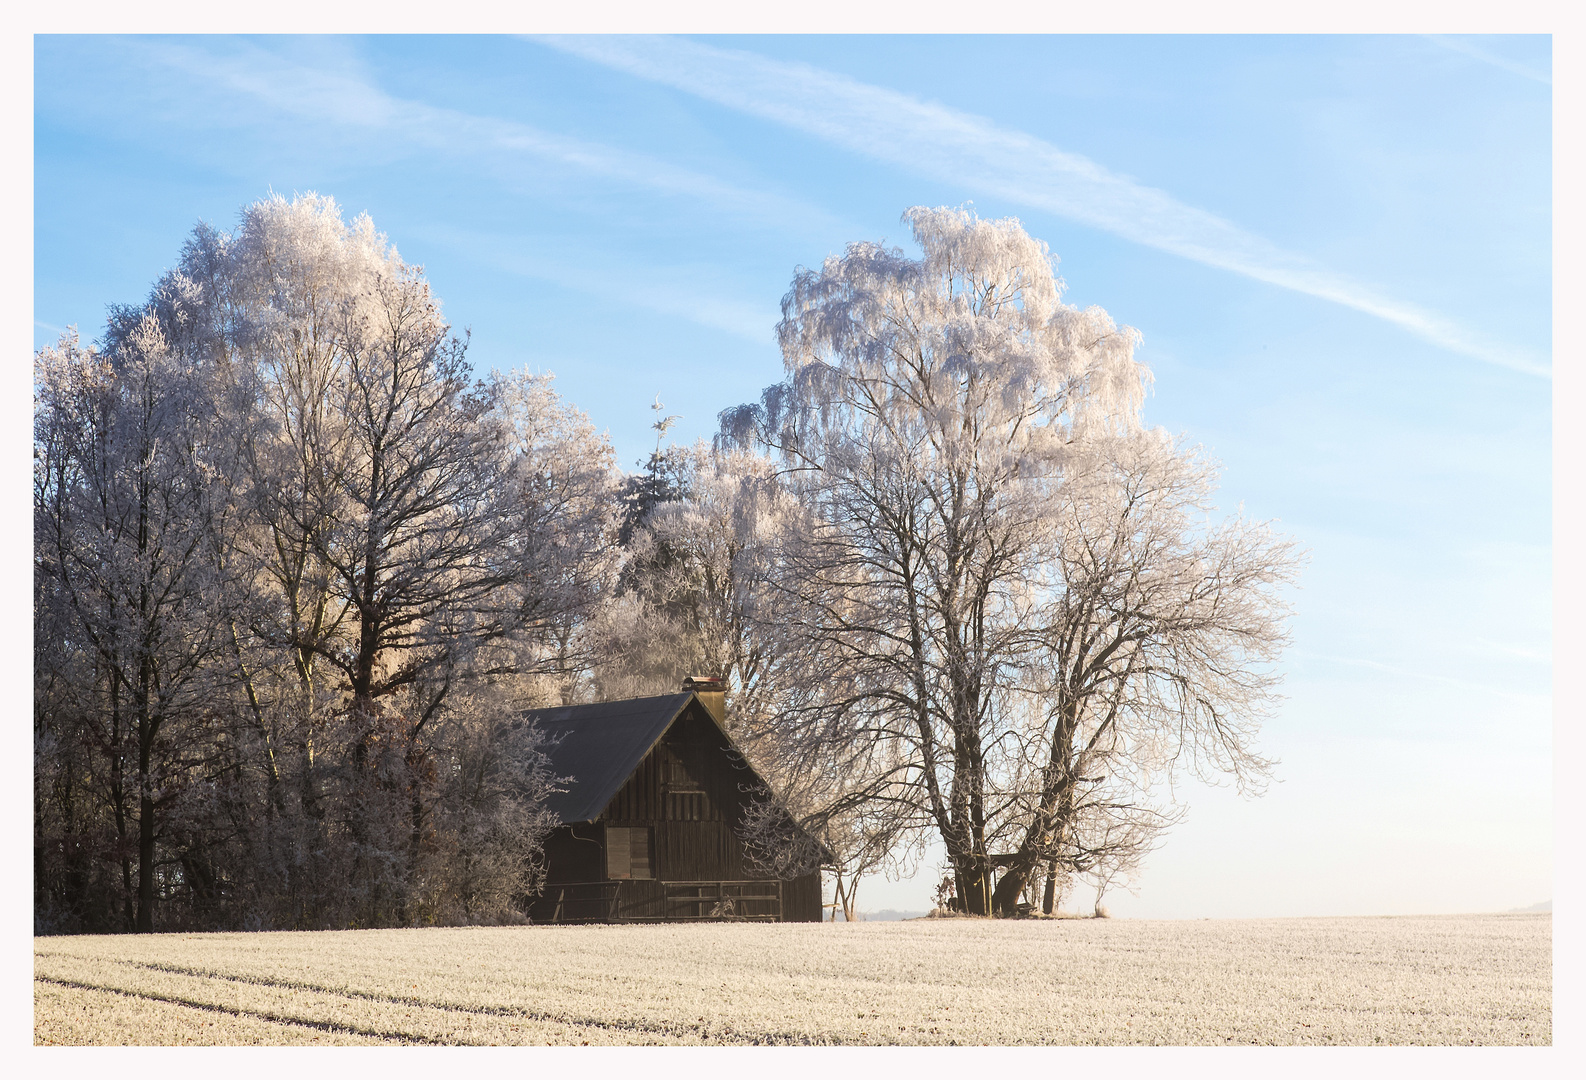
{"x":1338,"y":251}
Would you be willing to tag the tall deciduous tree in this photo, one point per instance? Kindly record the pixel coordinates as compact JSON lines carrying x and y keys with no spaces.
{"x":936,"y":415}
{"x":121,"y":496}
{"x":1158,"y":650}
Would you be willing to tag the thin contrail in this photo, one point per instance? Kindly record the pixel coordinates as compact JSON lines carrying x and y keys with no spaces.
{"x":1469,"y":48}
{"x":971,"y":151}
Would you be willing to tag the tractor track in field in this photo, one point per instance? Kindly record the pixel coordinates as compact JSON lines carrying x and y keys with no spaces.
{"x":246,"y":1014}
{"x":505,"y":1012}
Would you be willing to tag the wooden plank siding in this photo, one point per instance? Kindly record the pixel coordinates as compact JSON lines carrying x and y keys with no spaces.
{"x":687,"y":794}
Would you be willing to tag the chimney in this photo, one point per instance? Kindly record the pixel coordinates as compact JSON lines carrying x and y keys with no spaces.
{"x":712,"y":692}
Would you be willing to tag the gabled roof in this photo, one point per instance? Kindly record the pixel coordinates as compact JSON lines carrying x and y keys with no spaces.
{"x":599,"y":746}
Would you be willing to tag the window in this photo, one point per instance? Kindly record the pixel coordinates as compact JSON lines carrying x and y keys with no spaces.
{"x":628,"y":852}
{"x":683,"y":768}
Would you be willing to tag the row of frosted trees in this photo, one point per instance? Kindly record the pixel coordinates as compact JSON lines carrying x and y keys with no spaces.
{"x":300,"y":572}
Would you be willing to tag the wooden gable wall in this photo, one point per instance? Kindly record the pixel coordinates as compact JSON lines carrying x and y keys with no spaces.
{"x":687,"y":790}
{"x":686,"y":797}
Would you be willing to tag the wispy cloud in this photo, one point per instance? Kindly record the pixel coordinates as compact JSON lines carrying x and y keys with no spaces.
{"x":691,"y":293}
{"x":348,"y":102}
{"x":1469,"y":48}
{"x":969,"y":150}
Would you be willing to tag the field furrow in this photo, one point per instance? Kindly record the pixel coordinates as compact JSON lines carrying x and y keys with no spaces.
{"x":67,"y":1014}
{"x":366,"y":1016}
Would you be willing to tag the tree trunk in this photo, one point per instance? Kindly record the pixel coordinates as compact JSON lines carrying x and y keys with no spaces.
{"x":974,"y":883}
{"x":1005,"y":900}
{"x":145,"y":858}
{"x":118,"y":805}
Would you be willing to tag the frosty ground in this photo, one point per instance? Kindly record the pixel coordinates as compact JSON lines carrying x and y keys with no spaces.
{"x":1482,"y":979}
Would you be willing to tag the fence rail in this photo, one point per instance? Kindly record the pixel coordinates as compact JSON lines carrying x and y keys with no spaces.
{"x":678,"y":901}
{"x":757,"y":900}
{"x":590,"y":901}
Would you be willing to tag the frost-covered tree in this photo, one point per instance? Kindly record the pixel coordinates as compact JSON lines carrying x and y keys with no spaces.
{"x":383,"y":560}
{"x":703,"y":559}
{"x":563,"y":515}
{"x":706,"y":564}
{"x":936,"y":414}
{"x":126,"y":592}
{"x":1157,"y":651}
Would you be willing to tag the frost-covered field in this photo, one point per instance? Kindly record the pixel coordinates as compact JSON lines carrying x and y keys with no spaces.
{"x":1456,"y":979}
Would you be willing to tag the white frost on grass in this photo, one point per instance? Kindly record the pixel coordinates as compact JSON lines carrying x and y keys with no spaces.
{"x":67,"y":1016}
{"x":1449,"y":980}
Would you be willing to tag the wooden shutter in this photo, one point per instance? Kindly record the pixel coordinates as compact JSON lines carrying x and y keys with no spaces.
{"x":628,"y":852}
{"x":619,"y":858}
{"x":640,"y":864}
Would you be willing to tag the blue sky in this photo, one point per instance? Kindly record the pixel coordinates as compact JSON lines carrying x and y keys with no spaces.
{"x":1338,"y":250}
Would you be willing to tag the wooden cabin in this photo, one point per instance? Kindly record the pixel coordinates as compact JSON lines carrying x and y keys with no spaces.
{"x":647,"y":823}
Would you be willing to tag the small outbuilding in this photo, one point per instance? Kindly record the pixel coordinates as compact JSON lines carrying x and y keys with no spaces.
{"x":655,"y":793}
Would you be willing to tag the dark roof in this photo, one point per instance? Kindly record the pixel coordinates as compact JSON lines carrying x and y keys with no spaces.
{"x":599,"y":746}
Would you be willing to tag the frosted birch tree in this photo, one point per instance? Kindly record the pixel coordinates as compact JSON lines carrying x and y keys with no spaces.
{"x":935,"y":413}
{"x":447,"y":529}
